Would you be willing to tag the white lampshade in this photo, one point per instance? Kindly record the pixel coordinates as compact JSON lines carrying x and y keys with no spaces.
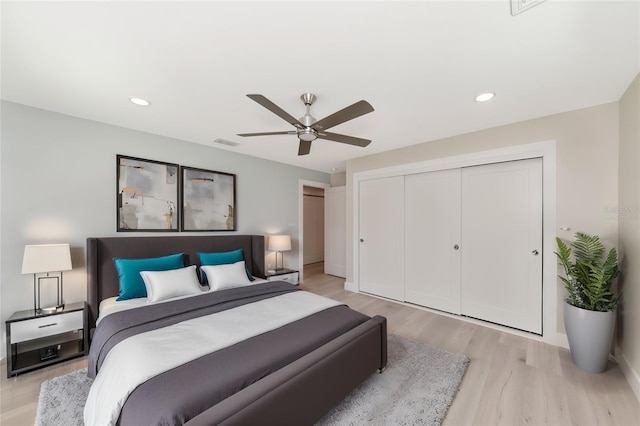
{"x":279,"y":243}
{"x":46,"y":258}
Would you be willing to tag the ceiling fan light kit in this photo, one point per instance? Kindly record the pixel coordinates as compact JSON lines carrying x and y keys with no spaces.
{"x":308,"y":128}
{"x":307,"y":134}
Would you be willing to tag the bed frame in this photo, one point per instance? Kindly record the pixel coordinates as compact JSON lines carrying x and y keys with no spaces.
{"x":300,"y":393}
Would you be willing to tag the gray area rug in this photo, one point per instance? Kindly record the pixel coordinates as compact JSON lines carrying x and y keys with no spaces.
{"x":62,"y":399}
{"x":417,"y":387}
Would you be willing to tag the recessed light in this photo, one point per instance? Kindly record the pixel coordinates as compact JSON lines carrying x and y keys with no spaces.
{"x":140,"y":101}
{"x":333,"y":169}
{"x":485,"y":97}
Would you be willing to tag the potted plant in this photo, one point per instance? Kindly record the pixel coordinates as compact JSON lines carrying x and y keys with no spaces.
{"x":589,"y":309}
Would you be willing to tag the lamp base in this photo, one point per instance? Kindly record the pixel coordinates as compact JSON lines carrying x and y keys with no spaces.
{"x":50,"y":310}
{"x":36,"y":301}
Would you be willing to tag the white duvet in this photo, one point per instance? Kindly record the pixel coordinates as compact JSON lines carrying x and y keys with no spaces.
{"x":141,"y":357}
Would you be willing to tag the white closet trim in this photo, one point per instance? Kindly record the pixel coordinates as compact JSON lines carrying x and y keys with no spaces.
{"x":545,"y":150}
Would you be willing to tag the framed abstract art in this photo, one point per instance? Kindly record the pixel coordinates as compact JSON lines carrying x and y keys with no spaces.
{"x":147,"y":195}
{"x":208,"y":200}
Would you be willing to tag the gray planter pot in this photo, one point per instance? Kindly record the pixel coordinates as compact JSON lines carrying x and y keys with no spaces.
{"x":590,"y":335}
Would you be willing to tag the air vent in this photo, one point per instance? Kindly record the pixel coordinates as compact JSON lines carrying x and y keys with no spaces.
{"x":519,"y":6}
{"x":226,"y":142}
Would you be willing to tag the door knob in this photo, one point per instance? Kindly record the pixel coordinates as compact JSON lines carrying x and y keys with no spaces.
{"x":535,"y":252}
{"x":456,"y":247}
{"x":361,"y":240}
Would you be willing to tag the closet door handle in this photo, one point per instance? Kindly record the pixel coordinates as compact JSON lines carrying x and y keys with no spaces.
{"x":456,"y":247}
{"x":361,"y":240}
{"x":535,"y":252}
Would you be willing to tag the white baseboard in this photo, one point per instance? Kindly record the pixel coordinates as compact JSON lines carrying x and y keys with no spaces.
{"x":350,"y":286}
{"x":556,"y":339}
{"x":629,"y":373}
{"x":559,"y":337}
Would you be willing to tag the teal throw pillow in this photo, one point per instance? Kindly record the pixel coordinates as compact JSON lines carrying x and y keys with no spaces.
{"x":131,"y":283}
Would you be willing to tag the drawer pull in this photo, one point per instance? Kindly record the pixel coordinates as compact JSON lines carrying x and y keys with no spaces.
{"x":48,"y":325}
{"x":285,"y":278}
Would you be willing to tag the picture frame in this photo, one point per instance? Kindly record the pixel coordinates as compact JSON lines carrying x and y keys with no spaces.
{"x":146,"y":195}
{"x":208,"y":200}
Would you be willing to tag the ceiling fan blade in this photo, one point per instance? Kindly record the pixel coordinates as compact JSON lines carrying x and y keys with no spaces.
{"x":345,"y":114}
{"x":292,"y":132}
{"x":351,"y":140}
{"x":304,"y":148}
{"x":276,"y":109}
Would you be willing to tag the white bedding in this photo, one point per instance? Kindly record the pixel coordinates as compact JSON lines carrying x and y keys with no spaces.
{"x":111,"y":305}
{"x":161,"y":350}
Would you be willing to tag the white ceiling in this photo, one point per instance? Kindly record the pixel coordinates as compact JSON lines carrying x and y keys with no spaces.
{"x":420,"y":64}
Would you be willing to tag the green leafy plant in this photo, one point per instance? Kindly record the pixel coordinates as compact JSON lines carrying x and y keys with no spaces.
{"x":588,"y":278}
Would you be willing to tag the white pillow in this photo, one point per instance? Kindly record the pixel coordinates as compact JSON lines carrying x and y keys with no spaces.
{"x":226,"y":276}
{"x":163,"y":285}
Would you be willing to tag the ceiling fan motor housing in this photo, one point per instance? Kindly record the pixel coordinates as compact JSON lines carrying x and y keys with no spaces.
{"x":307,"y":134}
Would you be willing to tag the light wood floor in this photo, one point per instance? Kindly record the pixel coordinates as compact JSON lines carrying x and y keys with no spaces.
{"x":511,"y":380}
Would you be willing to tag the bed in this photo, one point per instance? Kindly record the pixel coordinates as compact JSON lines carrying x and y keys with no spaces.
{"x":326,"y":359}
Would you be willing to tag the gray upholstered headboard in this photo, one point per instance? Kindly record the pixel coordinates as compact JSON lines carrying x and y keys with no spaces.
{"x":102,"y":278}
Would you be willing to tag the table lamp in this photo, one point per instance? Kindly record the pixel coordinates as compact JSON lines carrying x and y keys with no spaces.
{"x":279,"y":243}
{"x":46,"y":259}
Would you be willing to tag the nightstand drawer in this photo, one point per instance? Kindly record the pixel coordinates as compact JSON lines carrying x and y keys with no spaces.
{"x":290,"y":278}
{"x":45,"y":326}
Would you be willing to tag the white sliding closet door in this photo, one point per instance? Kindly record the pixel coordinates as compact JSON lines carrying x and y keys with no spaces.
{"x":501,"y":244}
{"x":432,"y":223}
{"x":381,"y":237}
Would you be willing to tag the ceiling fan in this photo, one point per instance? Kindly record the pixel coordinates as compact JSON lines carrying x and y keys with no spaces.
{"x":308,"y":128}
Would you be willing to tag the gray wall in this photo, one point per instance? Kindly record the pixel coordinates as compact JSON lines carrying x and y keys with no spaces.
{"x":339,"y":179}
{"x":57,"y":184}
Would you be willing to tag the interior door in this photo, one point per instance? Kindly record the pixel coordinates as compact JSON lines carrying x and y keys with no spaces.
{"x":335,"y":231}
{"x":432,"y":221}
{"x":381,"y":237}
{"x":313,"y":227}
{"x":501,"y":245}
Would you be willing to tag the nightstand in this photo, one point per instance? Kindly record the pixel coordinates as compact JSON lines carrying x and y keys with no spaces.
{"x":38,"y":340}
{"x":288,"y":275}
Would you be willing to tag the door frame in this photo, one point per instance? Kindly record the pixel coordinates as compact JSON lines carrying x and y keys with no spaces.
{"x":330,"y":234}
{"x":547,"y":151}
{"x":301,"y":184}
